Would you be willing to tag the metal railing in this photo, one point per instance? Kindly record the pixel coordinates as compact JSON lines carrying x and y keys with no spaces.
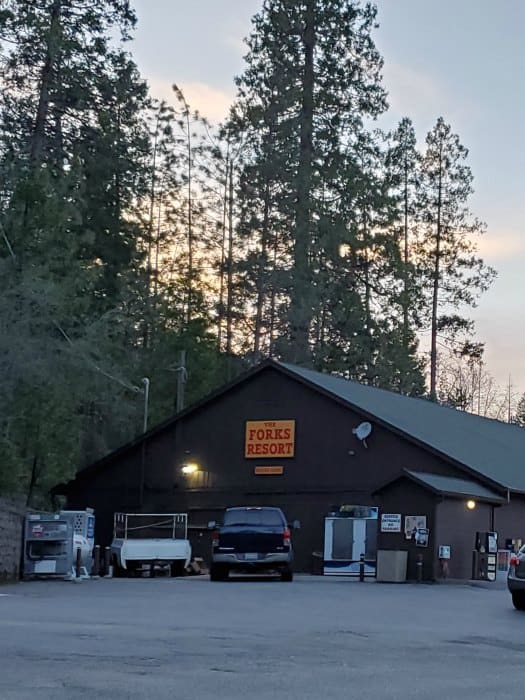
{"x":150,"y":526}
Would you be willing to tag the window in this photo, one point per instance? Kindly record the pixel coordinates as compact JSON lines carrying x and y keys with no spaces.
{"x":254,"y":516}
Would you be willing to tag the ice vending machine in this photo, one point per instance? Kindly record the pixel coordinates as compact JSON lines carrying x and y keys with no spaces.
{"x":349,"y":532}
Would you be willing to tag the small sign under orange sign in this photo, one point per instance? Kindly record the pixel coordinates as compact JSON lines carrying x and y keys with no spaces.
{"x":269,"y":470}
{"x":269,"y":438}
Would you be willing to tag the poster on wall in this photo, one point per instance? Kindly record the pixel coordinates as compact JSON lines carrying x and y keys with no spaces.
{"x":412,"y":523}
{"x":391,"y":522}
{"x":421,"y":537}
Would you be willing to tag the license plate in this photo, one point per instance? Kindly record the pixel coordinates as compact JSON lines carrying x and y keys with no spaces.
{"x":251,"y":556}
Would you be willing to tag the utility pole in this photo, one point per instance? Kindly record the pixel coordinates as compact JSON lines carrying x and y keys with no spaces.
{"x":145,"y":381}
{"x":181,"y":381}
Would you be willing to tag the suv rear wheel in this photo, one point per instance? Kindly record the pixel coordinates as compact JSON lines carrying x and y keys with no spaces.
{"x":218,"y":572}
{"x":287,"y":574}
{"x":518,"y":600}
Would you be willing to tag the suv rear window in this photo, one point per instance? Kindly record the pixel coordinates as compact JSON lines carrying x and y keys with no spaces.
{"x":253,"y":516}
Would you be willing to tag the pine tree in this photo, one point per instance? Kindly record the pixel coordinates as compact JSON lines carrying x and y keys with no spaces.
{"x":453,"y":275}
{"x":402,"y":161}
{"x":312,"y":77}
{"x":71,"y":152}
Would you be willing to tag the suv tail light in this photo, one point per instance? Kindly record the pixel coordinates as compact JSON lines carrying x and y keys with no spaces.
{"x":286,"y":538}
{"x":215,"y":538}
{"x":514,"y":560}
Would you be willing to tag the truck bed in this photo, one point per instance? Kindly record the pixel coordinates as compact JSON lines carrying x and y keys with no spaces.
{"x":150,"y":538}
{"x":150,"y":549}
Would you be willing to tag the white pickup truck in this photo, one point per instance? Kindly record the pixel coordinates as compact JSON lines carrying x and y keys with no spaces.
{"x":150,"y":539}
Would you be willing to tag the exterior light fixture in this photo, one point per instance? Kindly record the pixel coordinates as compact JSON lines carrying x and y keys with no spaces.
{"x":471,"y":504}
{"x":190,"y":468}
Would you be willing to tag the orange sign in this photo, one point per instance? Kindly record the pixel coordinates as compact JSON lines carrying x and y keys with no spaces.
{"x":269,"y":438}
{"x":269,"y":470}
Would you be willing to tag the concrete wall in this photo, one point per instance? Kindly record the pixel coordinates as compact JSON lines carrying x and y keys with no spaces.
{"x":11,"y":527}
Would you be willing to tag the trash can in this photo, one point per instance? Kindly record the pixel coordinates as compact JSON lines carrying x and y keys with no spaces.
{"x":392,"y":565}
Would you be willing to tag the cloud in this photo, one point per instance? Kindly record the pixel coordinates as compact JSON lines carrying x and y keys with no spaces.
{"x":411,"y":90}
{"x":211,"y":102}
{"x":422,"y":97}
{"x":501,"y":245}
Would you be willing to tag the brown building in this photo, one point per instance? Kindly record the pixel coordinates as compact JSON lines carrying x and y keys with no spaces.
{"x":285,"y":436}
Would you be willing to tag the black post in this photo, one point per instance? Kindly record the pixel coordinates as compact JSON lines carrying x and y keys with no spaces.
{"x":78,"y":562}
{"x":362,"y":567}
{"x":107,"y":560}
{"x":419,"y":568}
{"x":96,"y":561}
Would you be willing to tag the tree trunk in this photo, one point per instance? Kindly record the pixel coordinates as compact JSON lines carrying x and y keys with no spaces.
{"x":300,"y":302}
{"x":220,"y":319}
{"x":435,"y":290}
{"x":261,"y":274}
{"x":273,"y":299}
{"x":52,"y":43}
{"x":190,"y":223}
{"x":32,"y":481}
{"x":368,"y":301}
{"x":229,"y":275}
{"x":405,"y":261}
{"x":148,"y":314}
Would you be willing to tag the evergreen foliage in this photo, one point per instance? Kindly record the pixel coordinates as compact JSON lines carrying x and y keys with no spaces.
{"x":132,"y":230}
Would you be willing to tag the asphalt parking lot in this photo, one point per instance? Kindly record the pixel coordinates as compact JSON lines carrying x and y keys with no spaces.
{"x":258,"y":639}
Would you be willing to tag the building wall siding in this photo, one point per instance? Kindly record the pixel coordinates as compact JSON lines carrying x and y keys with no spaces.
{"x":509,"y":520}
{"x":407,"y":498}
{"x":457,"y":527}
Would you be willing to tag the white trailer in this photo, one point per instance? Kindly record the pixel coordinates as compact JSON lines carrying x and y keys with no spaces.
{"x":150,"y":539}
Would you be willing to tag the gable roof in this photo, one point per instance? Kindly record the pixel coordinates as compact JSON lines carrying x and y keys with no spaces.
{"x":447,"y":486}
{"x":490,"y":448}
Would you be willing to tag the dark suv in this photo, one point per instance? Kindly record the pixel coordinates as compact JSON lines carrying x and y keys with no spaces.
{"x":251,"y":539}
{"x":516,"y":579}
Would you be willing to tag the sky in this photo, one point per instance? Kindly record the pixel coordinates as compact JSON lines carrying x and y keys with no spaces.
{"x":460,"y":59}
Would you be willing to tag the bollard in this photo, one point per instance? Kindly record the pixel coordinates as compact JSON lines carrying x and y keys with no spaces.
{"x":107,"y":562}
{"x":362,"y":567}
{"x":419,"y":568}
{"x":96,"y":561}
{"x":78,"y":562}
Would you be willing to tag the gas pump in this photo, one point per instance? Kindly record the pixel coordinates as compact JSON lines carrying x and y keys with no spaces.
{"x":484,"y":556}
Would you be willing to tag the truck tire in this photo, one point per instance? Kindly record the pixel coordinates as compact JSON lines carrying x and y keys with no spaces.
{"x":287,"y":574}
{"x":177,"y":568}
{"x":118,"y":571}
{"x":218,"y":572}
{"x":518,"y":600}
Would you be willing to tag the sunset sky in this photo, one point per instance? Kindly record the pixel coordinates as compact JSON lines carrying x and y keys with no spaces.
{"x":464,"y":61}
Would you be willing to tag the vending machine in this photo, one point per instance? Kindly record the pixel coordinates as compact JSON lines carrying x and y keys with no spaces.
{"x":48,"y":546}
{"x":349,"y":532}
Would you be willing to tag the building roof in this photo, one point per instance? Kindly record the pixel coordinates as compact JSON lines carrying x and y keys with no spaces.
{"x":490,"y":448}
{"x":451,"y":486}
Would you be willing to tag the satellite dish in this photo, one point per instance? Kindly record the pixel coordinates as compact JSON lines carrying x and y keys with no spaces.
{"x":362,"y":431}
